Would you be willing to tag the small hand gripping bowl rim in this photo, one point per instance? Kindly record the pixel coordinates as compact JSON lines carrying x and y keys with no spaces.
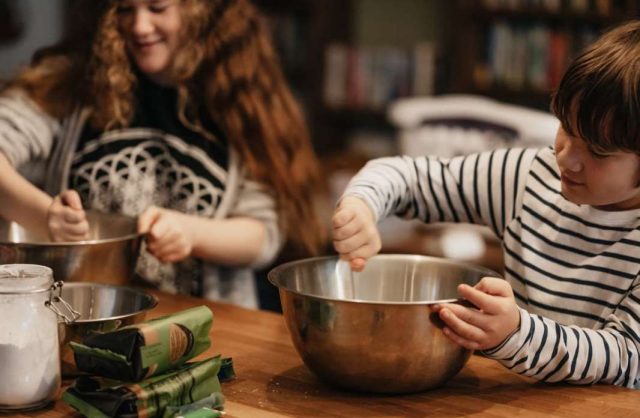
{"x":109,"y":256}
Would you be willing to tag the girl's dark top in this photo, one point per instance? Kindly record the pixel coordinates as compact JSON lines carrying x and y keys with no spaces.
{"x":159,"y":161}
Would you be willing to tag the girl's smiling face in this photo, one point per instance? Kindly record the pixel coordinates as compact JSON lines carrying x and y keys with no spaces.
{"x":152,"y":33}
{"x":605,"y":180}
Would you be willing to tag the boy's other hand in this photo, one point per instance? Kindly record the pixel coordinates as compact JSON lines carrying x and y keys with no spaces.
{"x":494,"y":317}
{"x":167,"y":234}
{"x":66,"y":219}
{"x":355,"y":235}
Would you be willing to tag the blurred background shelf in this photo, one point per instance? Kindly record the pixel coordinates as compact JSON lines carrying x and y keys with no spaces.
{"x":362,"y":55}
{"x":347,"y":61}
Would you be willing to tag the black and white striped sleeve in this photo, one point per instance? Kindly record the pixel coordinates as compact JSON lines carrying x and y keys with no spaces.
{"x":551,"y":352}
{"x":483,"y":188}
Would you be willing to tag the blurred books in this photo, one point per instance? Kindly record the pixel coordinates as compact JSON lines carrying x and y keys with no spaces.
{"x":359,"y":77}
{"x":529,"y":56}
{"x":600,"y":7}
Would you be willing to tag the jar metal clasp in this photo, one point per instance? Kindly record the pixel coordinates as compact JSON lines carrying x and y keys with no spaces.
{"x":67,"y":314}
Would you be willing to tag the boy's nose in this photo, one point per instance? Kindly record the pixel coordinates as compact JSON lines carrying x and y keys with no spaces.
{"x":570,"y":158}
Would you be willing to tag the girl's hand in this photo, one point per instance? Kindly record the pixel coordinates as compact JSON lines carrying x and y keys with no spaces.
{"x":355,"y":235}
{"x":494,"y":318}
{"x":167,"y":236}
{"x":66,"y":220}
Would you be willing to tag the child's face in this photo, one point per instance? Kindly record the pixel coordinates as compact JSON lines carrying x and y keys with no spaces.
{"x":151,"y":29}
{"x":608,"y":181}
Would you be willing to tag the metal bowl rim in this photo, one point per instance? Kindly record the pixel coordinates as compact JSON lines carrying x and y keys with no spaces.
{"x":276,"y":270}
{"x":153,"y":299}
{"x":63,"y":244}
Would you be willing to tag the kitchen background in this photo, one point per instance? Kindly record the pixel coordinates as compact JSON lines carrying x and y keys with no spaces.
{"x":383,"y":77}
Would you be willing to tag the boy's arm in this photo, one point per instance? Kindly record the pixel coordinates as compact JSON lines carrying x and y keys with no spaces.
{"x":480,"y":188}
{"x":548,"y":351}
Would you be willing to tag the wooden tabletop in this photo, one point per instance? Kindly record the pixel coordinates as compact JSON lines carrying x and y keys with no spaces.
{"x":273,"y":382}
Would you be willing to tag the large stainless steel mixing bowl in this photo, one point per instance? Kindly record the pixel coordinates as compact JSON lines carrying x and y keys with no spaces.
{"x":109,"y":256}
{"x":102,"y":308}
{"x":373,"y":331}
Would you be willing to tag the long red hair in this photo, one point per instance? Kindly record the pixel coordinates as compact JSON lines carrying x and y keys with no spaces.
{"x":227,"y":70}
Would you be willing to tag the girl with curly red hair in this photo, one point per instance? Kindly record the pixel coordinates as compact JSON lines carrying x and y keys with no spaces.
{"x":175,"y":111}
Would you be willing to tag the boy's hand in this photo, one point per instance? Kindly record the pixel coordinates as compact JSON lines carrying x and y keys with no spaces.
{"x":66,"y":220}
{"x":355,"y":235}
{"x":494,"y":318}
{"x":167,"y":236}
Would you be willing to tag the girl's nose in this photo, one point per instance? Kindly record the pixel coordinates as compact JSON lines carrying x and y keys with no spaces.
{"x":142,"y":24}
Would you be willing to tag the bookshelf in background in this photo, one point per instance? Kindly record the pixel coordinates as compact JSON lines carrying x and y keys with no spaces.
{"x":368,"y":78}
{"x":391,"y":53}
{"x":11,"y":21}
{"x":359,"y":83}
{"x":343,"y":78}
{"x":517,"y":50}
{"x":301,"y":31}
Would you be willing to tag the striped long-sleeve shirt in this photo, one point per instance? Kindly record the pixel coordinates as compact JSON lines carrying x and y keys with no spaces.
{"x":573,"y":268}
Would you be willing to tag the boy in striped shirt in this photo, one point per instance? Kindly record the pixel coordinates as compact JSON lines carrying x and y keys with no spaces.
{"x":568,"y":218}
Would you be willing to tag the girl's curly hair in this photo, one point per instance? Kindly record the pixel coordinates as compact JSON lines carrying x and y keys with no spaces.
{"x":227,"y":70}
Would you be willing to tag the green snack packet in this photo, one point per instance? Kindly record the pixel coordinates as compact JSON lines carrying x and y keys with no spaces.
{"x":142,"y":350}
{"x":226,"y":370}
{"x":159,"y":396}
{"x":201,"y":413}
{"x":205,"y":407}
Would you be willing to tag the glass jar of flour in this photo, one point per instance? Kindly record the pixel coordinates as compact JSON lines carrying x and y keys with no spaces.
{"x":30,"y":308}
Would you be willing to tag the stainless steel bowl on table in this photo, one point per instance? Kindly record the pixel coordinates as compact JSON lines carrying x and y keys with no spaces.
{"x":102,"y":308}
{"x":108,"y":256}
{"x":373,"y":331}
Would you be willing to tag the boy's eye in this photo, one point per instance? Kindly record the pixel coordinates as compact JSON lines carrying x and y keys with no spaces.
{"x":599,"y":154}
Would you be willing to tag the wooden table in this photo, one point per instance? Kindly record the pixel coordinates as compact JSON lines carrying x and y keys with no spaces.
{"x":273,"y":382}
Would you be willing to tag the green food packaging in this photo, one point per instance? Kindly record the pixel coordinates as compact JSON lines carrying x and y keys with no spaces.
{"x":143,"y":350}
{"x":96,"y":397}
{"x":206,"y":407}
{"x":202,"y":413}
{"x":159,"y":396}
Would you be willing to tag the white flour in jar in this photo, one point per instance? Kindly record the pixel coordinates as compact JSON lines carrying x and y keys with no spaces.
{"x":25,"y":381}
{"x":29,"y":351}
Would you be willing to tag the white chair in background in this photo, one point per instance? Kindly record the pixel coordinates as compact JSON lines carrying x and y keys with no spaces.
{"x":452,"y":125}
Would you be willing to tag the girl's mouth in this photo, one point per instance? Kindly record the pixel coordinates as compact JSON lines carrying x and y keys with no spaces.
{"x":145,"y":45}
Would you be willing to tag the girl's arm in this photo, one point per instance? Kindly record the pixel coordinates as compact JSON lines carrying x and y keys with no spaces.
{"x":249,"y":236}
{"x":26,"y":135}
{"x":22,"y":202}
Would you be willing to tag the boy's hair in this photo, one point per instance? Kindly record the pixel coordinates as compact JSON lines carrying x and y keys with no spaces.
{"x":598,"y":98}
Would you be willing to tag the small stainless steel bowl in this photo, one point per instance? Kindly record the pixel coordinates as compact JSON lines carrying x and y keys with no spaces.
{"x":109,"y":256}
{"x":373,"y":331}
{"x":102,"y":308}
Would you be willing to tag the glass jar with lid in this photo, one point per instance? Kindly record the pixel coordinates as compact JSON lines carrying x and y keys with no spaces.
{"x":30,"y":308}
